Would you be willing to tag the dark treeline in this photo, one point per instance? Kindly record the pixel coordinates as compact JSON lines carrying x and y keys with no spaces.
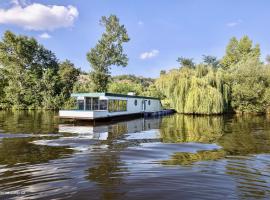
{"x":31,"y":77}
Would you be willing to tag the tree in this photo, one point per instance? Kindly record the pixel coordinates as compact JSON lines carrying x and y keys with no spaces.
{"x":30,"y":75}
{"x":125,"y":87}
{"x":248,"y":82}
{"x":68,"y":75}
{"x":107,"y":52}
{"x":24,"y":63}
{"x":210,"y":60}
{"x":145,"y":82}
{"x":186,"y":62}
{"x":239,"y":50}
{"x":192,"y":91}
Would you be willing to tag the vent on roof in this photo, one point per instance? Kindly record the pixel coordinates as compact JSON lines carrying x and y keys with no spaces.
{"x":131,"y":93}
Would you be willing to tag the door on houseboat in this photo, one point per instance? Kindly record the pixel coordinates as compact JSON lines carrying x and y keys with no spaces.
{"x":143,"y":105}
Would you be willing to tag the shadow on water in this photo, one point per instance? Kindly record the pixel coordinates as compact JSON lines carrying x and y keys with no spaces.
{"x":157,"y":158}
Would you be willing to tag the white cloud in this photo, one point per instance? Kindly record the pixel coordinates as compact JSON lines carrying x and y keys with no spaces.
{"x":234,"y":23}
{"x":45,"y":36}
{"x":149,"y":54}
{"x":38,"y":16}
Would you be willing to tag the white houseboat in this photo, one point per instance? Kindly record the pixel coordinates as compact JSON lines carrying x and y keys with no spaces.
{"x":91,"y":106}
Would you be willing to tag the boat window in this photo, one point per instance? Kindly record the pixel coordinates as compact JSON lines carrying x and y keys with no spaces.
{"x":116,"y":105}
{"x":95,"y":104}
{"x":149,"y":102}
{"x":110,"y":105}
{"x":103,"y":104}
{"x":88,"y":103}
{"x":122,"y":105}
{"x":135,"y":102}
{"x":80,"y":104}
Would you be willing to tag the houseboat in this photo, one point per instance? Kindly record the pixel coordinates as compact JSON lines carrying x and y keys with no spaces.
{"x":91,"y":106}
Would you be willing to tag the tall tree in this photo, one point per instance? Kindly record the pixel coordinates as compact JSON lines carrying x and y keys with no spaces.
{"x":30,"y":75}
{"x":239,"y":50}
{"x":190,"y":91}
{"x":24,"y":62}
{"x":107,"y":52}
{"x":186,"y":62}
{"x":68,"y":75}
{"x":210,"y":60}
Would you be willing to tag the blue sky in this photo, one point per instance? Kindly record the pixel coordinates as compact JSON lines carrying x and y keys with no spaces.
{"x":160,"y":31}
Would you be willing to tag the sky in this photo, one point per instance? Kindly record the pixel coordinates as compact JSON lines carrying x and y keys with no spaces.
{"x":160,"y":30}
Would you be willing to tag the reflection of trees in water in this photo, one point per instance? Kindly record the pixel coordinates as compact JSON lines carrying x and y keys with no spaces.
{"x":109,"y":172}
{"x":251,"y":176}
{"x":28,"y":121}
{"x":20,"y":150}
{"x":246,"y":135}
{"x":184,"y":158}
{"x":186,"y":128}
{"x":238,"y":136}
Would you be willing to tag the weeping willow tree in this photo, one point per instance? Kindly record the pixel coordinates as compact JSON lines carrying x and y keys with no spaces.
{"x":200,"y":90}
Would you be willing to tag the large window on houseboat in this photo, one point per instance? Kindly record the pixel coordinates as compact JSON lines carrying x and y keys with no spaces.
{"x":80,"y":104}
{"x":103,"y":105}
{"x":95,"y":104}
{"x":116,"y":105}
{"x":122,"y":105}
{"x":88,"y":103}
{"x":92,"y":104}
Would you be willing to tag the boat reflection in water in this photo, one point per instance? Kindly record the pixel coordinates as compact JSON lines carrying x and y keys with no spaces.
{"x":132,"y":129}
{"x":91,"y":132}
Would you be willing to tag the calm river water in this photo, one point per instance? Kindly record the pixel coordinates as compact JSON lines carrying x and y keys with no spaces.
{"x":173,"y":157}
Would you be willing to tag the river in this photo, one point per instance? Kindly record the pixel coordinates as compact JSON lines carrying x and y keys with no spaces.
{"x":172,"y":157}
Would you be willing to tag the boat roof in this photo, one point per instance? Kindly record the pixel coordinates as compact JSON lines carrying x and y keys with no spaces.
{"x":98,"y":94}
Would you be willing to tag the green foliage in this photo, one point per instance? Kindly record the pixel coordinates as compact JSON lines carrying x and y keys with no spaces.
{"x":241,"y":85}
{"x":145,"y":82}
{"x":83,"y":84}
{"x":153,"y":91}
{"x":125,"y":87}
{"x":195,"y":91}
{"x":107,"y":52}
{"x":186,"y":62}
{"x":68,"y":75}
{"x":248,"y":82}
{"x":210,"y":60}
{"x":239,"y":50}
{"x":30,"y":75}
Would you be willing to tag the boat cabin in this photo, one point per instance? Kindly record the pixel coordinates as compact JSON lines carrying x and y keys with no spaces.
{"x":104,"y":105}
